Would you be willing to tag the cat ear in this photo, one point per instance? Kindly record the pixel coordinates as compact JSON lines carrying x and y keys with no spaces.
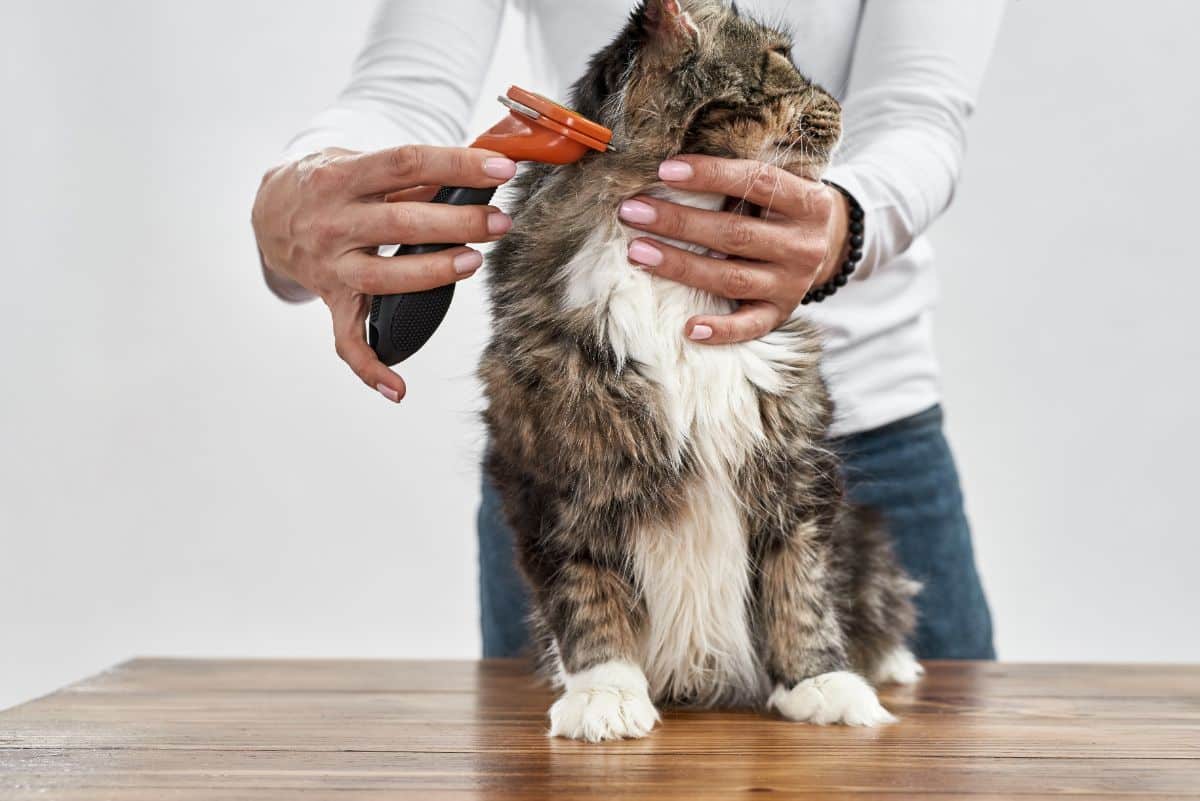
{"x":668,"y":23}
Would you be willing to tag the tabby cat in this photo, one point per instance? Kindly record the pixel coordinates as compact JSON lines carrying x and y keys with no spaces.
{"x":678,"y":518}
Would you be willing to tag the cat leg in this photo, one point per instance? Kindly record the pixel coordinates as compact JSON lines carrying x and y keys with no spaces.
{"x":881,"y":613}
{"x":594,"y":615}
{"x":804,"y":652}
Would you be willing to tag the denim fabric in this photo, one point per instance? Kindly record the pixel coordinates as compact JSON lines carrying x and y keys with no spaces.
{"x":904,"y":469}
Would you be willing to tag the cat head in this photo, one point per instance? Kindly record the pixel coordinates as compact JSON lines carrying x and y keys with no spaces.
{"x":697,"y":76}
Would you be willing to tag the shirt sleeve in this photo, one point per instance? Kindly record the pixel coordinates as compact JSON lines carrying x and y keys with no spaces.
{"x":916,"y":72}
{"x":416,"y":80}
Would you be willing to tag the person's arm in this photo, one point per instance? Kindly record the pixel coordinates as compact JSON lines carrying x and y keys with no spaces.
{"x":416,"y":80}
{"x":917,"y":69}
{"x":361,"y":175}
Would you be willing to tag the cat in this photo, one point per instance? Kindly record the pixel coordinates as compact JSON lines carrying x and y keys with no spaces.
{"x":678,"y":516}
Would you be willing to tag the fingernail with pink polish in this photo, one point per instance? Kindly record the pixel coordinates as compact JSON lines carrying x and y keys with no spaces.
{"x":635,"y":211}
{"x":700,"y":332}
{"x":675,"y":171}
{"x":498,"y":224}
{"x":467,"y":262}
{"x":388,"y":392}
{"x":645,"y":254}
{"x":500,"y":168}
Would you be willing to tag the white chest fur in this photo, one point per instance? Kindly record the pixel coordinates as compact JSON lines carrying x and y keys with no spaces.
{"x":693,"y":569}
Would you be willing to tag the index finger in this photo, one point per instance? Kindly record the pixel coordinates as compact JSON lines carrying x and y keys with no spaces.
{"x":403,"y":167}
{"x":763,"y":184}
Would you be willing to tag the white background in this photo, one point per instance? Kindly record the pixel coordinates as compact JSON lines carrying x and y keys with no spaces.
{"x":185,"y":468}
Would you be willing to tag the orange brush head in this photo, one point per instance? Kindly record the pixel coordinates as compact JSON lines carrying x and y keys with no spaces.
{"x":538,"y":129}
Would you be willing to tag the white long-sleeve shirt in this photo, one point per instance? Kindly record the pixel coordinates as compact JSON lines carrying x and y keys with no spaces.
{"x":906,"y":71}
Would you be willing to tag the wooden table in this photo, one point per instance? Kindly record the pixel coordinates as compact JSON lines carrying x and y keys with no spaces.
{"x":182,"y":729}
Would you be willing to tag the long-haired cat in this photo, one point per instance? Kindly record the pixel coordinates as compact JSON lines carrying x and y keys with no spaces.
{"x":678,"y":518}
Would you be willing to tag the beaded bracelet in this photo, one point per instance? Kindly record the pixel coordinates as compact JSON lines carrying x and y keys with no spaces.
{"x":855,"y":228}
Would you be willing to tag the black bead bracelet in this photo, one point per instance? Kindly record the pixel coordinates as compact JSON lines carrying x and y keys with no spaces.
{"x":855,"y":240}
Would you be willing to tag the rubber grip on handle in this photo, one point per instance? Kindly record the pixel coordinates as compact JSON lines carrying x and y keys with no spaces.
{"x":400,"y":325}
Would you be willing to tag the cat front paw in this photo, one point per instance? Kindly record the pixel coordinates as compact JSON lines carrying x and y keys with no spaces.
{"x":608,"y":702}
{"x":837,"y":697}
{"x":898,"y":667}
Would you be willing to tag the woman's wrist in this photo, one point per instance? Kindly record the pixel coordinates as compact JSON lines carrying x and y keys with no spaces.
{"x":839,"y":239}
{"x":847,"y":223}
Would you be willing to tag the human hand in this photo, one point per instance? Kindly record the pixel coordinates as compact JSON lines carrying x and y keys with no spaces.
{"x":319,"y":220}
{"x":766,"y":263}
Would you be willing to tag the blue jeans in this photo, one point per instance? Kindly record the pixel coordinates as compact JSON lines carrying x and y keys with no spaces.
{"x":904,"y":469}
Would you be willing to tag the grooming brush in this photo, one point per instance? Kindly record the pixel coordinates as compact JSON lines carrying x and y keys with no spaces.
{"x":536,"y":129}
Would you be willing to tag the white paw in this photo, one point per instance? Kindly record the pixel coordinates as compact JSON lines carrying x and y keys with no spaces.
{"x":838,"y":697}
{"x":898,"y":667}
{"x":608,"y":702}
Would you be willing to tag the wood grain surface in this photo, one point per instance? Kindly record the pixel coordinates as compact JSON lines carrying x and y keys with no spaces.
{"x":265,"y":730}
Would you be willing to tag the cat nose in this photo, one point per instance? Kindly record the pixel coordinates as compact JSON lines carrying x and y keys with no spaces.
{"x":820,"y":130}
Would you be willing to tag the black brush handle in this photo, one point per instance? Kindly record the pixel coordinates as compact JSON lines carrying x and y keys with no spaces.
{"x":400,"y":325}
